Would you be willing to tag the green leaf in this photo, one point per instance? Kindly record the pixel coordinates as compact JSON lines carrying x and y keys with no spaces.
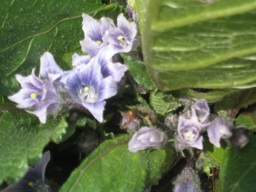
{"x":28,"y":29}
{"x":193,"y":44}
{"x":112,"y":167}
{"x":163,"y":103}
{"x":138,"y":72}
{"x":239,"y":168}
{"x":211,"y":96}
{"x":246,"y":121}
{"x":22,"y":139}
{"x":237,"y":100}
{"x":217,"y":154}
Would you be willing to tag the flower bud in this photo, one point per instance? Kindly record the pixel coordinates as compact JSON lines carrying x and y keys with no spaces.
{"x":187,"y":181}
{"x":240,"y":138}
{"x":220,"y":128}
{"x":146,"y":138}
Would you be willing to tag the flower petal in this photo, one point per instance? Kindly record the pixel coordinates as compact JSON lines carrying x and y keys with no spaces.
{"x":96,"y":109}
{"x":108,"y":88}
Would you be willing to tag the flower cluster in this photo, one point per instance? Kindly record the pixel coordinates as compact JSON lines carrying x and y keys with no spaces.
{"x":194,"y":122}
{"x":94,"y":78}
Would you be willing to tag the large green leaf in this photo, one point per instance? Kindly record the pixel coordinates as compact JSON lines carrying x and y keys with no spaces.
{"x":113,"y":168}
{"x":239,"y":168}
{"x":28,"y":29}
{"x":22,"y":138}
{"x":195,"y":44}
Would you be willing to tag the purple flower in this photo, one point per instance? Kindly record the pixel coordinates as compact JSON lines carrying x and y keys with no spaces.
{"x":146,"y":138}
{"x":104,"y":58}
{"x":34,"y":179}
{"x":115,"y":70}
{"x":49,"y":69}
{"x":187,"y":181}
{"x":201,"y":110}
{"x":88,"y":88}
{"x":94,"y":30}
{"x":189,"y":134}
{"x":38,"y":96}
{"x":121,"y":39}
{"x":220,"y":128}
{"x":78,"y":60}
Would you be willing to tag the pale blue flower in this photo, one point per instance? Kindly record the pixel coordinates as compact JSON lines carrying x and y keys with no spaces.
{"x":104,"y":58}
{"x":37,"y":96}
{"x":49,"y":69}
{"x":219,"y":129}
{"x":145,"y":138}
{"x":201,"y":110}
{"x":34,"y":179}
{"x":121,"y":39}
{"x":94,"y":30}
{"x":189,"y":134}
{"x":89,"y":88}
{"x":109,"y":68}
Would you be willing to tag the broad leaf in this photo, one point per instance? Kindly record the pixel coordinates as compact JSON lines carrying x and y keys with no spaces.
{"x":195,"y":44}
{"x":22,"y":138}
{"x":112,"y":167}
{"x":238,"y":169}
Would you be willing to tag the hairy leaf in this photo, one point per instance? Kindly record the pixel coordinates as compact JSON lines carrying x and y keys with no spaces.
{"x":22,"y":138}
{"x":195,"y":44}
{"x":112,"y":167}
{"x":239,"y":167}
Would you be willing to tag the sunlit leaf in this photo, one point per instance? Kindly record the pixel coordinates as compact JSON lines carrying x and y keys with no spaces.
{"x":195,"y":44}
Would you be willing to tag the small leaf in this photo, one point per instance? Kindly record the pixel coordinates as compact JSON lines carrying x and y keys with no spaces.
{"x":163,"y":103}
{"x":138,"y":72}
{"x":238,"y":169}
{"x":112,"y":167}
{"x":22,"y":138}
{"x":246,"y":121}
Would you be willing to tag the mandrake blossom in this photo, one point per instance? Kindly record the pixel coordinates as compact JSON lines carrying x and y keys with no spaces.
{"x":146,"y":138}
{"x":201,"y":110}
{"x":49,"y":68}
{"x":89,"y":88}
{"x":189,"y":134}
{"x":94,"y":31}
{"x":39,"y":97}
{"x":122,"y":37}
{"x":220,"y":128}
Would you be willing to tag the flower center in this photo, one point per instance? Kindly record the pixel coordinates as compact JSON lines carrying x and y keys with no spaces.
{"x":123,"y":41}
{"x":98,"y":42}
{"x":88,"y":94}
{"x":33,"y":95}
{"x":188,"y":134}
{"x":37,"y":96}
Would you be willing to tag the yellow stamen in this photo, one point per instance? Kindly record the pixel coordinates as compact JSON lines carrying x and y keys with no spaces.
{"x":120,"y":38}
{"x":33,"y":95}
{"x":86,"y":89}
{"x":98,"y":42}
{"x":31,"y":184}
